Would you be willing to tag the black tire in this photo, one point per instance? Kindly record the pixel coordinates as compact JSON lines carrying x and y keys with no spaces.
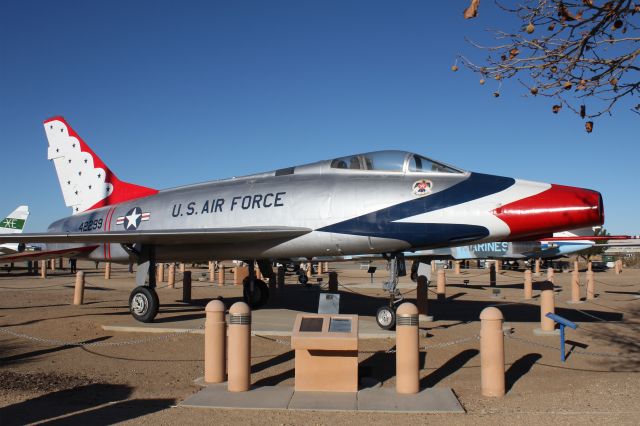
{"x":386,"y":318}
{"x":144,"y":304}
{"x":258,"y":297}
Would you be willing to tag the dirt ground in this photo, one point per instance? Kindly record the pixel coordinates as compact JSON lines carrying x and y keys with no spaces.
{"x":143,"y":379}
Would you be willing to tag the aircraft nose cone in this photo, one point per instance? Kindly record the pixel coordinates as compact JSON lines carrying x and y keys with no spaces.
{"x":556,"y":209}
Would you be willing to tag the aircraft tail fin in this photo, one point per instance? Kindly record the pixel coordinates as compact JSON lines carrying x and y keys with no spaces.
{"x":86,"y":182}
{"x":15,"y":221}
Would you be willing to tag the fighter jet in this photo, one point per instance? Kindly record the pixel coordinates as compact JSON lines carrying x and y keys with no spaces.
{"x":13,"y":224}
{"x":379,"y":202}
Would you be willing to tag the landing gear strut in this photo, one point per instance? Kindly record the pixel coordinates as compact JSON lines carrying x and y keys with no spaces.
{"x":255,"y":292}
{"x":386,"y":315}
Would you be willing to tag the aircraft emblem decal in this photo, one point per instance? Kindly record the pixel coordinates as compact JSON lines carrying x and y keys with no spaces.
{"x":422,"y":187}
{"x":133,"y":219}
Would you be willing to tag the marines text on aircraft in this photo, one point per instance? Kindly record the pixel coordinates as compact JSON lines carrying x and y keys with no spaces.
{"x":380,"y":202}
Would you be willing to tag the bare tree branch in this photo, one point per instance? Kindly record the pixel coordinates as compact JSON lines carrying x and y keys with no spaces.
{"x":578,"y":52}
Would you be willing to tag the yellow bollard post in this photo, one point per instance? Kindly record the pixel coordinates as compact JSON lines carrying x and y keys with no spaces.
{"x":78,"y":292}
{"x":239,"y":350}
{"x":172,"y":275}
{"x":407,"y":349}
{"x":547,"y":304}
{"x":492,"y":353}
{"x":215,"y":336}
{"x":441,"y":285}
{"x":550,"y":274}
{"x":107,"y":270}
{"x":43,"y":269}
{"x":575,"y":286}
{"x":528,"y":285}
{"x":591,"y":286}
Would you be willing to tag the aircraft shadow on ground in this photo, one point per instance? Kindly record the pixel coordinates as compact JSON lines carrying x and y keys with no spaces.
{"x":69,"y":402}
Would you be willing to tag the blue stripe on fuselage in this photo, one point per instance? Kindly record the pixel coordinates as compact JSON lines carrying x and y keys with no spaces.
{"x":381,"y":223}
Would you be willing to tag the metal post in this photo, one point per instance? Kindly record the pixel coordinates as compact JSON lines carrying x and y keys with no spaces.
{"x":215,"y":336}
{"x":186,"y":287}
{"x":333,"y":282}
{"x":562,"y":355}
{"x":407,"y":349}
{"x":239,"y":350}
{"x":492,"y":274}
{"x":280,"y":282}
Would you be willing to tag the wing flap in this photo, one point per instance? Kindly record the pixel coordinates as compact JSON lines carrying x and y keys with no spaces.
{"x":47,"y":254}
{"x":171,"y":236}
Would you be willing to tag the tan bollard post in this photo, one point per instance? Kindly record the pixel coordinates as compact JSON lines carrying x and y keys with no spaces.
{"x":575,"y":286}
{"x":550,"y":274}
{"x":172,"y":275}
{"x":498,"y":264}
{"x":320,"y":269}
{"x":547,"y":304}
{"x":457,"y":267}
{"x":407,"y":349}
{"x":161,"y":272}
{"x":309,"y":270}
{"x":43,"y":269}
{"x":576,"y":266}
{"x":528,"y":285}
{"x":220,"y":275}
{"x":182,"y":267}
{"x":107,"y":270}
{"x":422,"y":296}
{"x":433,"y":267}
{"x":589,"y":266}
{"x":239,"y":350}
{"x":441,"y":285}
{"x":333,"y":282}
{"x":211,"y":272}
{"x":52,"y":264}
{"x":491,"y":353}
{"x":591,"y":286}
{"x":280,"y":283}
{"x":186,"y":287}
{"x":78,"y":292}
{"x":537,"y":267}
{"x":326,"y":266}
{"x":215,"y":336}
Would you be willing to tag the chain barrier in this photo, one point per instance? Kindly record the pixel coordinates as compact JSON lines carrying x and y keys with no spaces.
{"x":615,"y":285}
{"x":55,"y":342}
{"x":577,"y":351}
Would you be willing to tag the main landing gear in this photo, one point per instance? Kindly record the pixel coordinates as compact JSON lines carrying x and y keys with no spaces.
{"x":386,"y":315}
{"x":256,"y":292}
{"x":143,"y":301}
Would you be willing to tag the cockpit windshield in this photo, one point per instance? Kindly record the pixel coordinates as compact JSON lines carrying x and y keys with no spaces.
{"x":391,"y":161}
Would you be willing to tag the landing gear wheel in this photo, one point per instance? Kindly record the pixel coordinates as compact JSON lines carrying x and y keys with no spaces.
{"x":258,"y":297}
{"x":144,"y":303}
{"x":386,"y":318}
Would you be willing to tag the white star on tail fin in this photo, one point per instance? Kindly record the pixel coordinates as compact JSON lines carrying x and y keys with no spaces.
{"x":86,"y":182}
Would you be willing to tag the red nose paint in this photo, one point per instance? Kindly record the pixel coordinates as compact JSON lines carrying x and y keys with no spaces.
{"x":559,"y":207}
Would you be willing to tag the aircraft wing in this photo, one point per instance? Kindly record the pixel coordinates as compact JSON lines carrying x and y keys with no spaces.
{"x":25,"y":256}
{"x":167,"y":236}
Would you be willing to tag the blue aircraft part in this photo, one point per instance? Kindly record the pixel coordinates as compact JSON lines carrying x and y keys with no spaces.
{"x":563,"y":322}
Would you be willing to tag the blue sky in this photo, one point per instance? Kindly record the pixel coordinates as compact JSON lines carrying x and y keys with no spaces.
{"x":175,"y":93}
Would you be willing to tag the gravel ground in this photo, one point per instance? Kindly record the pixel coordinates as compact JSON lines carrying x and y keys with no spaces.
{"x":143,"y":381}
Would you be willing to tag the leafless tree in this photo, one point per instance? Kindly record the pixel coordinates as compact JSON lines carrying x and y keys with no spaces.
{"x":582,"y":53}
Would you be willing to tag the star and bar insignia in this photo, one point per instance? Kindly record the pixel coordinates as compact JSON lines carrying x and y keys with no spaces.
{"x":133,"y":218}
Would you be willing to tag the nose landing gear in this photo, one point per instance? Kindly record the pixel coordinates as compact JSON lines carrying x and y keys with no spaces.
{"x":386,"y":315}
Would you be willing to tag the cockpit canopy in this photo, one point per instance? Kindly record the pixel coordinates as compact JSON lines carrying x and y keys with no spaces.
{"x":391,"y":161}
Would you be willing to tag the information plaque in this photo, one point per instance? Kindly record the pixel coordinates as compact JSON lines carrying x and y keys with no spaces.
{"x":340,"y":325}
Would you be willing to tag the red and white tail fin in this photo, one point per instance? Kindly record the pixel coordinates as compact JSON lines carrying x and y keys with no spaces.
{"x":86,"y":182}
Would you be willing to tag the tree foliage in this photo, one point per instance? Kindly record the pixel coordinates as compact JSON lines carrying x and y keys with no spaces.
{"x":583,"y":54}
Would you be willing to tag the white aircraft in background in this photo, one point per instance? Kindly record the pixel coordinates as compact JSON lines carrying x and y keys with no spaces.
{"x":13,"y":224}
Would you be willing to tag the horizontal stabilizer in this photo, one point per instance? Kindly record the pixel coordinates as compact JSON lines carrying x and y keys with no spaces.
{"x":47,"y":254}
